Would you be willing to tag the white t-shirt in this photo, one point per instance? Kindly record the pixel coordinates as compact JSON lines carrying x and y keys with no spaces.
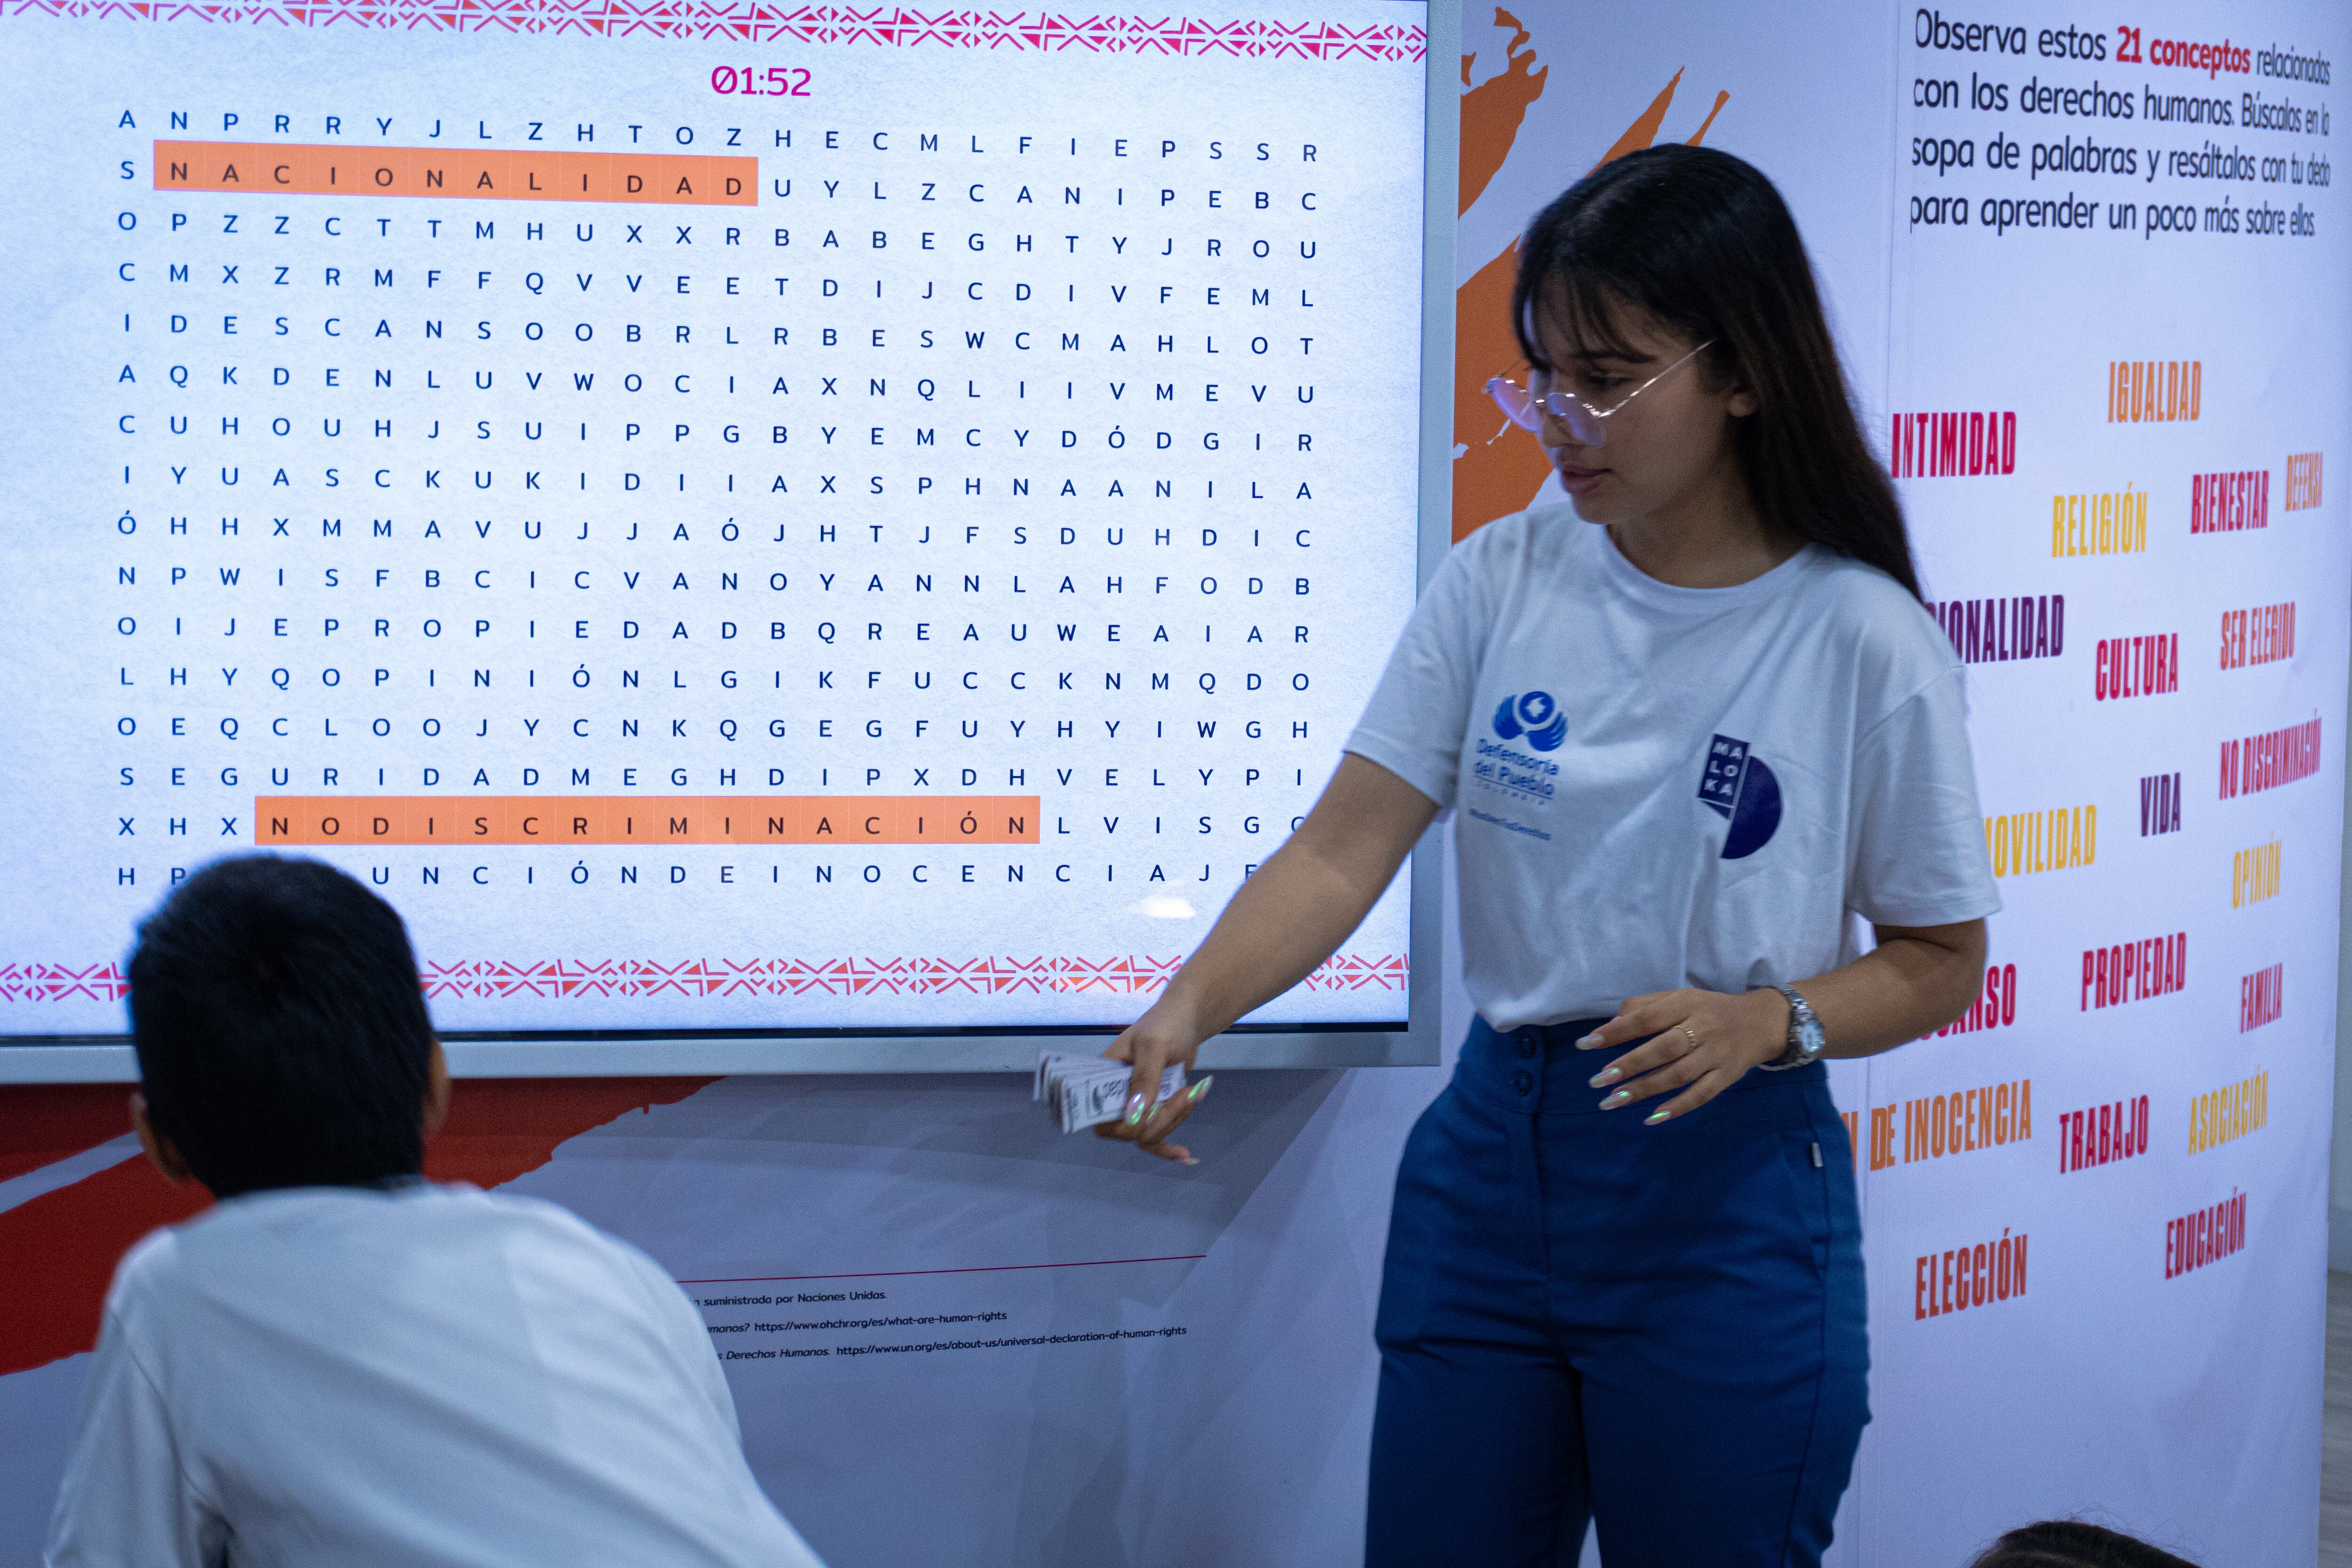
{"x":1661,"y":787}
{"x":333,"y":1377}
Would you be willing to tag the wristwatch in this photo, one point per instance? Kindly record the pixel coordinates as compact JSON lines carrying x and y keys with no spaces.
{"x":1805,"y":1042}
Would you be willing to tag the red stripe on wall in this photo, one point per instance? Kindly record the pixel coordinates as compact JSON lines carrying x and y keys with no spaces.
{"x":41,"y":1123}
{"x":58,"y":1250}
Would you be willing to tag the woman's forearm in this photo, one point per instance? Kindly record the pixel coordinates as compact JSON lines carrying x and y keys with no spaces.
{"x":1917,"y":981}
{"x":1297,"y":908}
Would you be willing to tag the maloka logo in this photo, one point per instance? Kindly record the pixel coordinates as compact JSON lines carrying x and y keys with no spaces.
{"x":1535,"y":719}
{"x":1737,"y":785}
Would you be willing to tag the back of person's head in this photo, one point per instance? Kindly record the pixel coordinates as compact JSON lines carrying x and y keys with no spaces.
{"x":2071,"y":1544}
{"x":282,"y":1035}
{"x":1701,"y":243}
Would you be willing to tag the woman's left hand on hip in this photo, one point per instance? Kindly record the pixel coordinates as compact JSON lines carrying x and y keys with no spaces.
{"x":1702,"y":1043}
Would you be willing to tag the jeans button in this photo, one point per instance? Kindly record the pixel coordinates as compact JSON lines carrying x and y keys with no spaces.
{"x":1527,"y":1044}
{"x":1524,"y":1083}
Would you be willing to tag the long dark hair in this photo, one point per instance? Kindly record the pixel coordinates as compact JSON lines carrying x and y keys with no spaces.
{"x":2071,"y":1544}
{"x":1702,"y":242}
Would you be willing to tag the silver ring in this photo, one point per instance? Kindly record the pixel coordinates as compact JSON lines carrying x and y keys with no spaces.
{"x":1687,"y":1029}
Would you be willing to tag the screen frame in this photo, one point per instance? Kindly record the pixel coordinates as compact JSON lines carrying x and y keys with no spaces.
{"x":1412,"y":1041}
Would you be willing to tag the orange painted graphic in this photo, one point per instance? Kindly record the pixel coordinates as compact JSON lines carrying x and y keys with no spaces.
{"x":648,"y":820}
{"x":1493,"y":112}
{"x":473,"y":173}
{"x":60,"y":1248}
{"x":1497,"y":466}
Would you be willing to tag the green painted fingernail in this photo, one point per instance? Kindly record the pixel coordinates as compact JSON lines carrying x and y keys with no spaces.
{"x":1134,"y":1109}
{"x":1603,"y":1080}
{"x":1201,"y":1088}
{"x":1616,"y":1099}
{"x":1654,"y":1117}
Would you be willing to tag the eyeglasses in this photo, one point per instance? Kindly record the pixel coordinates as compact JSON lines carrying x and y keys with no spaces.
{"x":1525,"y":408}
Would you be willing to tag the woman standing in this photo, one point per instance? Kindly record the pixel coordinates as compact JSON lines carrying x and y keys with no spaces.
{"x":1697,"y":729}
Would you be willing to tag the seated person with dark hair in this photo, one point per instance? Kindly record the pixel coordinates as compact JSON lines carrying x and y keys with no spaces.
{"x":2071,"y":1544}
{"x":340,"y":1363}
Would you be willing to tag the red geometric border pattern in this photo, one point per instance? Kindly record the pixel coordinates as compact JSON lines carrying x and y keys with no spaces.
{"x":747,"y":21}
{"x":558,"y":979}
{"x":63,"y":983}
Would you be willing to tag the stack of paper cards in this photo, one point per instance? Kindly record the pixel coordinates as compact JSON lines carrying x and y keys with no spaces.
{"x":1084,"y":1091}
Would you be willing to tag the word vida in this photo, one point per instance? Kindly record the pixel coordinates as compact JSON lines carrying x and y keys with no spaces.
{"x":2111,"y":523}
{"x":1967,"y":1277}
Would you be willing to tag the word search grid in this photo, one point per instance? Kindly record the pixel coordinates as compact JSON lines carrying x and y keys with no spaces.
{"x":862,"y":527}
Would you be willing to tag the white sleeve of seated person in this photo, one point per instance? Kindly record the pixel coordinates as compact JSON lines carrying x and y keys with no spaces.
{"x":680,"y":1321}
{"x":127,"y":1502}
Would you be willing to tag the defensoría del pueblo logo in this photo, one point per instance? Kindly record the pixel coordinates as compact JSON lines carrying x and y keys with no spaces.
{"x":1536,"y":717}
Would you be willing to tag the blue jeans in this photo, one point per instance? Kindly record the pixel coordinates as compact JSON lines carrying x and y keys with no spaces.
{"x":1660,"y":1330}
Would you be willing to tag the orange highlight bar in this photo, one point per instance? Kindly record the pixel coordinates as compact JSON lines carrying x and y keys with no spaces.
{"x":657,"y":819}
{"x":258,"y":167}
